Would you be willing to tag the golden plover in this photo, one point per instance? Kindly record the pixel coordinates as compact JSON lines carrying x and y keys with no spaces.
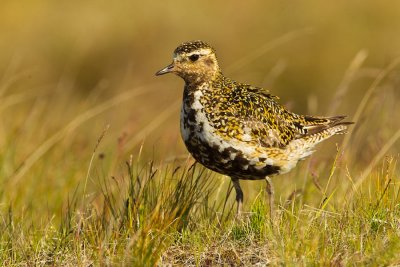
{"x":237,"y":129}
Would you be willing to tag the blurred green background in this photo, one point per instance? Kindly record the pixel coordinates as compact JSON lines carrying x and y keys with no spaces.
{"x":69,"y":68}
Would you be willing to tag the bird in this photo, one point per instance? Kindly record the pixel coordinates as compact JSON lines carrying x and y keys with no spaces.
{"x":240,"y":130}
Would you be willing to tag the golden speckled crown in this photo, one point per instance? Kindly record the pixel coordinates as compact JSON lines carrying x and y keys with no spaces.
{"x":192,"y":46}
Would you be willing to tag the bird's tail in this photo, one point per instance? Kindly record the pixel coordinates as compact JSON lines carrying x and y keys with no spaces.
{"x":325,"y":126}
{"x":317,"y":129}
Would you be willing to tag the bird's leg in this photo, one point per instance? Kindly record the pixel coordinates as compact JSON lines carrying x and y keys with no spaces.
{"x":239,"y":195}
{"x":271,"y":192}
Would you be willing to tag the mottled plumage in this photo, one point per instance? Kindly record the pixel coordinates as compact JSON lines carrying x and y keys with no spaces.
{"x":237,"y":129}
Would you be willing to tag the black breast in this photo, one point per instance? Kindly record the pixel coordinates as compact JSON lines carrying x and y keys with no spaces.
{"x":222,"y":162}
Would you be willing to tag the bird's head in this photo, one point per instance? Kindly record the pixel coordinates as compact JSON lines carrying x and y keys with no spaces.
{"x":194,"y":62}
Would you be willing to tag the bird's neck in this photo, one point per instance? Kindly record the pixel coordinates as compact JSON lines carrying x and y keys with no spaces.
{"x":196,"y":79}
{"x":210,"y":88}
{"x":199,"y":81}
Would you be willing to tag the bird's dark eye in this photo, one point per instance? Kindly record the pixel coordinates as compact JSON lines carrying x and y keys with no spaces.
{"x":194,"y":57}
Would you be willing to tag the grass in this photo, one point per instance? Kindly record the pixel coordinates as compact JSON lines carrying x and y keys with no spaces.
{"x":339,"y":211}
{"x":167,"y":215}
{"x":337,"y":231}
{"x":176,"y":214}
{"x":93,"y":171}
{"x":117,"y":209}
{"x":130,"y":222}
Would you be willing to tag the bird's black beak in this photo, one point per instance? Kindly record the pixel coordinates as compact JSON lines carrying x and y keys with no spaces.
{"x":165,"y":70}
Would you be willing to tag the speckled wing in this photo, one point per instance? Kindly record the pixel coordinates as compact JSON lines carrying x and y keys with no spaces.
{"x":263,"y":121}
{"x":267,"y":123}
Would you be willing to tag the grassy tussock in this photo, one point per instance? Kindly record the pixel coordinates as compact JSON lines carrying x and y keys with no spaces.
{"x":167,"y":215}
{"x":129,"y":222}
{"x":362,"y":228}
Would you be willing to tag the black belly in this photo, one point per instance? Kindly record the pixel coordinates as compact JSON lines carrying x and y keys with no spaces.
{"x":221,"y":162}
